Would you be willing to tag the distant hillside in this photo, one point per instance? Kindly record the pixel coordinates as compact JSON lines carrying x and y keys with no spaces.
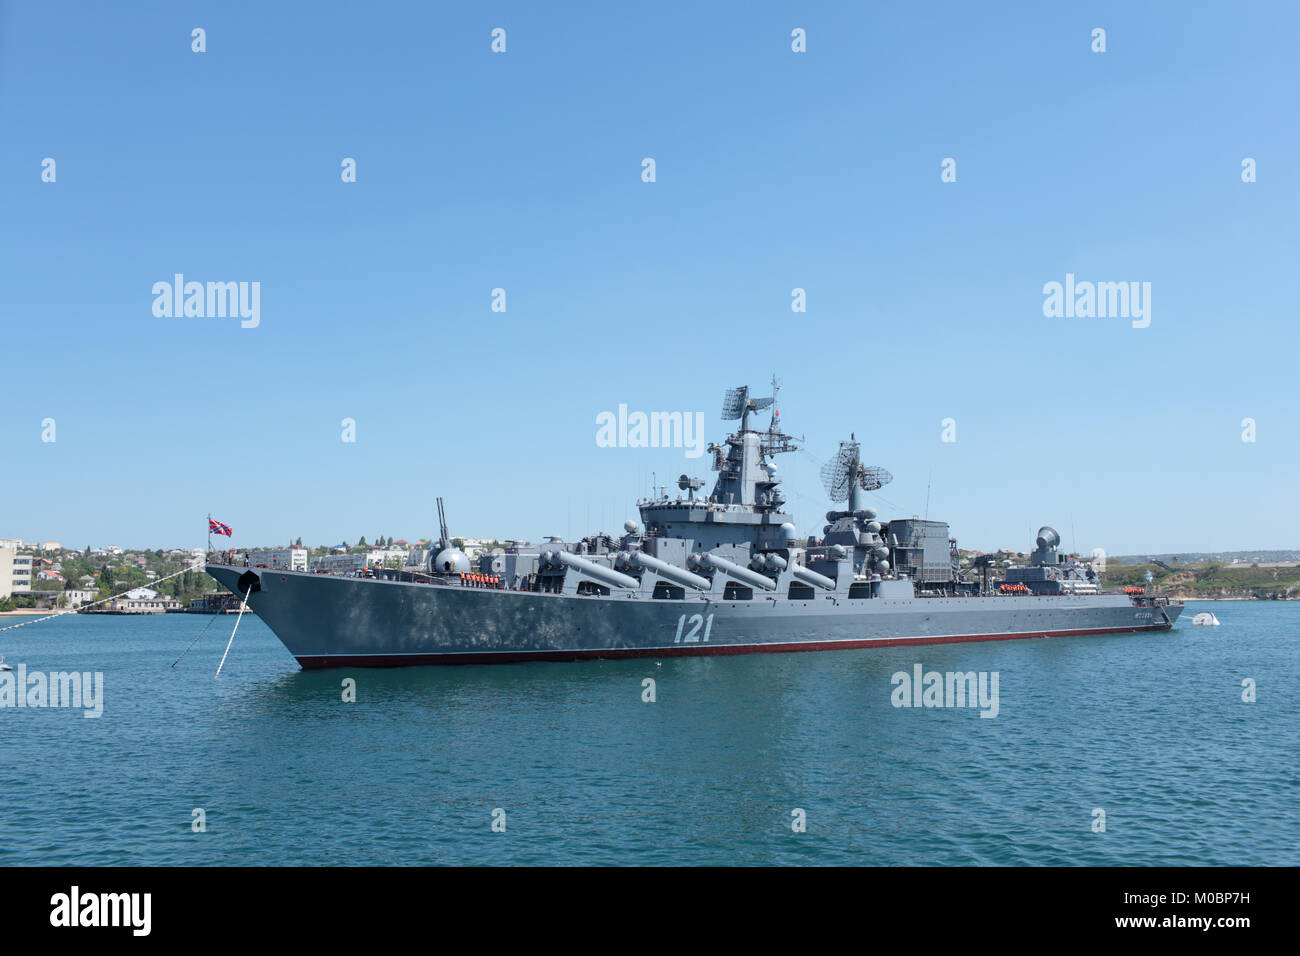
{"x":1214,"y":580}
{"x":1208,"y":557}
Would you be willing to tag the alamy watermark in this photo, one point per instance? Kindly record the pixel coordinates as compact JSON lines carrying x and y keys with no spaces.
{"x":923,"y":688}
{"x":21,"y":688}
{"x":128,"y":910}
{"x":1098,"y":300}
{"x":652,"y":430}
{"x":218,"y":300}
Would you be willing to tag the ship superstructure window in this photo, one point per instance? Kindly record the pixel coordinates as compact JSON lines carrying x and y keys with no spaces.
{"x":861,"y":589}
{"x":737,"y":592}
{"x":668,"y":592}
{"x":800,"y":592}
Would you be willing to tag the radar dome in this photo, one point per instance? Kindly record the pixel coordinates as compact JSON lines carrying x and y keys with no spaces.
{"x":1047,"y":537}
{"x":631,"y":527}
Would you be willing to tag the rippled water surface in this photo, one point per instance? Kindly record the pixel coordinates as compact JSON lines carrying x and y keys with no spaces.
{"x":1150,"y":728}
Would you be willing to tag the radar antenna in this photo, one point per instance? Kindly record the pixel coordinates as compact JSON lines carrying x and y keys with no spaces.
{"x":690,"y":485}
{"x":736,"y":403}
{"x":845,"y":473}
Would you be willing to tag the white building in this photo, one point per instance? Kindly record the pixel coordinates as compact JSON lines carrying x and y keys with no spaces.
{"x":76,"y":597}
{"x":15,"y":572}
{"x":339,"y":563}
{"x":151,"y":605}
{"x":287,"y":559}
{"x":382,"y":557}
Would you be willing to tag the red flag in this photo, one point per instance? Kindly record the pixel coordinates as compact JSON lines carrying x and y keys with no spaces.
{"x":216,"y":527}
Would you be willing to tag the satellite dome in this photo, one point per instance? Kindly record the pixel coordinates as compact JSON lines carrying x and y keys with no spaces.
{"x":788,"y":530}
{"x":631,"y":527}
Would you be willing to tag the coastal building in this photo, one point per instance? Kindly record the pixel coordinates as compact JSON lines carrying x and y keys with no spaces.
{"x":15,"y":572}
{"x":152,"y":605}
{"x":288,"y":559}
{"x":76,"y":597}
{"x":375,"y":558}
{"x":384,"y":557}
{"x":218,"y":602}
{"x":339,"y":563}
{"x":51,"y":546}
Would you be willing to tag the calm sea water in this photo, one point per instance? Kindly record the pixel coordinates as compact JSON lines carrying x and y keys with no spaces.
{"x":1150,"y":728}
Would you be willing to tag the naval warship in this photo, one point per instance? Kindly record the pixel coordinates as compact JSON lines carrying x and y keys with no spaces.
{"x":718,"y":574}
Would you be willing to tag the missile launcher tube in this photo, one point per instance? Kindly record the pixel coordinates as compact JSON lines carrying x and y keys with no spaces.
{"x":591,"y":569}
{"x":670,"y":571}
{"x":737,"y":572}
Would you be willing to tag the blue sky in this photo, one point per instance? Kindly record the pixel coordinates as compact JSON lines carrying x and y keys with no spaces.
{"x":522,"y":171}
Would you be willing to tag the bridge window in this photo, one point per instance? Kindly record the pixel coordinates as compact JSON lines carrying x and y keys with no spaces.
{"x":861,"y":589}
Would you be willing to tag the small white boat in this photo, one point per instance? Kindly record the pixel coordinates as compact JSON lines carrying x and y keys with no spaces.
{"x":3,"y":665}
{"x":1205,"y":619}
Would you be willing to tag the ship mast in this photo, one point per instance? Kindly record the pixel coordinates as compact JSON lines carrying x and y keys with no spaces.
{"x":744,"y":476}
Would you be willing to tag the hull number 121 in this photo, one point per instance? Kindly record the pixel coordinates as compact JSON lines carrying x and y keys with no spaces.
{"x":692,"y":636}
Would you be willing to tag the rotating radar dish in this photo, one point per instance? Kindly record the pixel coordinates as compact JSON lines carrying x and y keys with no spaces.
{"x":845,"y":470}
{"x":733,"y":403}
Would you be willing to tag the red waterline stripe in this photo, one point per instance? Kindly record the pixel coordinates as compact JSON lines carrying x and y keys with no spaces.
{"x":680,"y":650}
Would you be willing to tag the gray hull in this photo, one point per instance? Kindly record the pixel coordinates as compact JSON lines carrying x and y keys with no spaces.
{"x":334,"y":621}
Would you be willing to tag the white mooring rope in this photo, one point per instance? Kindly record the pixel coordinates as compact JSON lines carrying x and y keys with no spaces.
{"x":232,"y":631}
{"x":78,"y":610}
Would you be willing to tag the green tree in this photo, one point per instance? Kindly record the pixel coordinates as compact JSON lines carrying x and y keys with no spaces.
{"x":362,"y":542}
